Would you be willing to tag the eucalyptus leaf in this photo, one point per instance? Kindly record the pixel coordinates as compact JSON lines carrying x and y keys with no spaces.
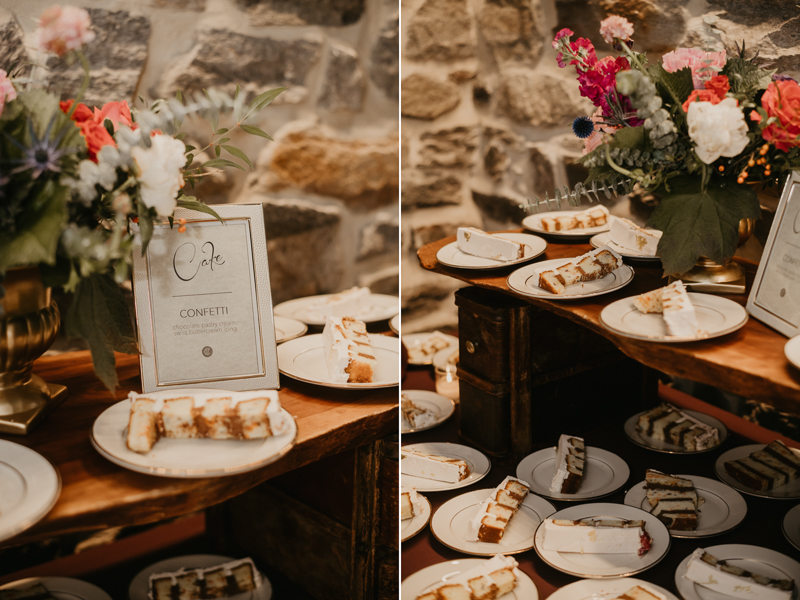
{"x":199,"y":207}
{"x":221,"y":162}
{"x":263,"y":100}
{"x":238,"y":154}
{"x":253,"y":130}
{"x":217,"y":151}
{"x":221,"y":131}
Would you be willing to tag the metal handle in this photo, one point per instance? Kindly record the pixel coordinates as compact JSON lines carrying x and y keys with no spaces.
{"x":471,"y":347}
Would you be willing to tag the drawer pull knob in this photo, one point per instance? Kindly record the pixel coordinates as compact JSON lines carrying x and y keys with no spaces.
{"x":471,"y":347}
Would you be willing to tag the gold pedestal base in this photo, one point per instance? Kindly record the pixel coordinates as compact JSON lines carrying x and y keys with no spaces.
{"x":23,"y":406}
{"x":711,"y":277}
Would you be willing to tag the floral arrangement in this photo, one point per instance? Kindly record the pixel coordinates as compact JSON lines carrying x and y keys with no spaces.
{"x":697,"y":129}
{"x":73,"y":179}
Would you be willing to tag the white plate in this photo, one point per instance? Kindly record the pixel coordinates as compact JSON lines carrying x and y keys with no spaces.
{"x":304,"y":359}
{"x":645,"y":441}
{"x":716,"y":316}
{"x":440,"y":405}
{"x":478,"y":464}
{"x":722,"y":510}
{"x":784,"y":492}
{"x":379,"y":308}
{"x":287,"y":329}
{"x":394,"y":323}
{"x":140,"y":586}
{"x":752,"y":558}
{"x":598,"y":566}
{"x":415,"y":584}
{"x":450,"y":524}
{"x":414,"y":341}
{"x":451,"y":256}
{"x":605,"y":473}
{"x":411,"y":527}
{"x":791,"y":526}
{"x":792,"y":351}
{"x":523,"y":282}
{"x":186,"y":458}
{"x":446,"y":356}
{"x":30,"y":488}
{"x":534,"y":223}
{"x":604,"y":239}
{"x":604,"y":589}
{"x":62,"y":588}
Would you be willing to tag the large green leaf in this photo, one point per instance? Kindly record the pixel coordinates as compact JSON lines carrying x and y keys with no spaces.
{"x":628,"y":137}
{"x":673,"y":87}
{"x":99,"y":314}
{"x":697,"y":222}
{"x":199,"y":207}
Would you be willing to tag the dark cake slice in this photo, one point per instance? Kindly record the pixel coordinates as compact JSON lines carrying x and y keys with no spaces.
{"x":764,"y":470}
{"x":673,"y":500}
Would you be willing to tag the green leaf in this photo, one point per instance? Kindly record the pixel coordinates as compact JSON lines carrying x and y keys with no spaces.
{"x":745,"y":77}
{"x":238,"y":154}
{"x":221,"y":131}
{"x":188,"y":148}
{"x":199,"y":207}
{"x":179,"y":96}
{"x":145,"y":224}
{"x":253,"y":130}
{"x":236,"y":93}
{"x":629,"y":137}
{"x":221,"y":162}
{"x":99,"y":314}
{"x":217,"y":151}
{"x":697,"y":222}
{"x":263,"y":100}
{"x":223,"y":140}
{"x":180,"y":136}
{"x":674,"y":88}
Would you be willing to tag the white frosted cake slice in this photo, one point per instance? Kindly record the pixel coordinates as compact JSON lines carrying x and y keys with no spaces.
{"x":570,"y":465}
{"x":735,"y":582}
{"x":496,"y":511}
{"x":348,"y":353}
{"x":346,"y":303}
{"x":640,"y":592}
{"x":673,"y":301}
{"x":588,"y":267}
{"x":219,"y":415}
{"x":431,"y":466}
{"x":479,"y":243}
{"x":489,"y":580}
{"x":584,"y":219}
{"x":410,"y":503}
{"x":220,"y":581}
{"x":600,"y":535}
{"x":629,"y":235}
{"x":416,"y":416}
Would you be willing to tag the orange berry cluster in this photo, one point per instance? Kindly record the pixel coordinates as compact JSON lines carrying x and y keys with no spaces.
{"x":182,"y":223}
{"x":753,"y":162}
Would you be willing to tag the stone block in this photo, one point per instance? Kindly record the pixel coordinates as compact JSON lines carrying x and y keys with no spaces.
{"x":500,"y":209}
{"x":385,"y":68}
{"x":345,"y":84}
{"x":544,"y":180}
{"x":427,"y":98}
{"x":426,"y":189}
{"x":285,"y":217}
{"x":511,"y":31}
{"x":542,"y":100}
{"x":382,"y":281}
{"x":193,"y":5}
{"x":331,"y":13}
{"x":440,"y":30}
{"x":452,"y":148}
{"x":381,"y":236}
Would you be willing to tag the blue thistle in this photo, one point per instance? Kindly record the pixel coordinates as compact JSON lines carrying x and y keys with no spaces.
{"x":583,"y":127}
{"x":43,"y":155}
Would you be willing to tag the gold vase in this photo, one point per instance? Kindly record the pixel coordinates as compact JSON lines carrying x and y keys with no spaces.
{"x":730,"y":273}
{"x":28,"y":326}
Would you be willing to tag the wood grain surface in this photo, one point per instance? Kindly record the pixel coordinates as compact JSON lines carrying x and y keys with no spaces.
{"x":749,"y":361}
{"x":97,"y":493}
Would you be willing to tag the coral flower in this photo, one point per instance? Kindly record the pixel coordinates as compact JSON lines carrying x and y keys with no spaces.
{"x":7,"y":91}
{"x":704,"y":65}
{"x":119,"y":113}
{"x":63,"y":29}
{"x":616,"y":27}
{"x":94,"y":134}
{"x":782,"y":101}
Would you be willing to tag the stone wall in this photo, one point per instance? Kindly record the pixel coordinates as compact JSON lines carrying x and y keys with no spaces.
{"x":329,"y":182}
{"x":486,"y":112}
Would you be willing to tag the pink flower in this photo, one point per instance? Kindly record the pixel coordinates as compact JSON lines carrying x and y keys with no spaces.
{"x":704,"y":65}
{"x":7,"y":91}
{"x":117,"y":112}
{"x":597,"y":138}
{"x":563,"y":33}
{"x":63,"y":29}
{"x":599,"y":81}
{"x":616,"y":27}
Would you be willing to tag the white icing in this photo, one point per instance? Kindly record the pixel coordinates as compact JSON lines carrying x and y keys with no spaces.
{"x":475,"y":525}
{"x":586,"y":539}
{"x":337,"y":350}
{"x":427,"y":466}
{"x":347,"y":303}
{"x":627,"y":234}
{"x":200,"y":398}
{"x":417,"y":506}
{"x":715,"y":579}
{"x":479,"y":243}
{"x":679,"y":313}
{"x":538,"y":271}
{"x":496,"y":563}
{"x":561,"y":474}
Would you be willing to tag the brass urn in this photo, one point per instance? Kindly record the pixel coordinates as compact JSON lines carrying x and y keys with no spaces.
{"x":731,"y":273}
{"x":28,"y":325}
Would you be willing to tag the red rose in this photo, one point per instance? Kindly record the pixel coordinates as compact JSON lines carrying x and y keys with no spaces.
{"x":719,"y":85}
{"x":701,"y":96}
{"x":82,"y":112}
{"x":782,"y":101}
{"x":96,"y":137}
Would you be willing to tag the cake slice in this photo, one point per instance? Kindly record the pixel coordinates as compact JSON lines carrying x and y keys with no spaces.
{"x":564,"y":223}
{"x":766,"y":469}
{"x":219,"y":415}
{"x":489,"y":580}
{"x":485,"y":245}
{"x":497,"y":510}
{"x":348,"y":353}
{"x":673,"y":301}
{"x":431,"y":466}
{"x":587,"y":267}
{"x":629,"y":235}
{"x":570,"y":465}
{"x":416,"y":416}
{"x":596,"y":535}
{"x":640,"y":592}
{"x":425,"y":347}
{"x":345,"y":303}
{"x":733,"y":581}
{"x":667,"y":423}
{"x":220,"y":581}
{"x":410,"y":503}
{"x":673,"y":500}
{"x":585,"y":219}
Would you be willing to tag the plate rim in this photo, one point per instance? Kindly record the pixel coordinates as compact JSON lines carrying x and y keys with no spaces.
{"x":282,"y":306}
{"x":626,"y":252}
{"x":635,"y":490}
{"x":395,"y":326}
{"x":453,"y":486}
{"x":560,"y":593}
{"x":672,"y":339}
{"x":722,"y":430}
{"x":501,"y":264}
{"x":451,"y":410}
{"x":795,"y":509}
{"x":561,"y":234}
{"x":500,"y":550}
{"x":722,"y":475}
{"x":427,"y":520}
{"x":469,"y":562}
{"x":59,"y":581}
{"x":792,"y":341}
{"x":563,"y":297}
{"x":291,"y":337}
{"x":545,"y":452}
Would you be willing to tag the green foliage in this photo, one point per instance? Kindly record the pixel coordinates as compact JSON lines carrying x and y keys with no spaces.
{"x":745,"y":78}
{"x":253,"y":130}
{"x":145,"y":224}
{"x":674,"y":88}
{"x":238,"y":154}
{"x":220,"y":162}
{"x":700,"y":222}
{"x":629,"y":137}
{"x":191,"y":203}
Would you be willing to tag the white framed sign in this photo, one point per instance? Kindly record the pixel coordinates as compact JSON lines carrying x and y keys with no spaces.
{"x":775,"y":296}
{"x":203,"y":303}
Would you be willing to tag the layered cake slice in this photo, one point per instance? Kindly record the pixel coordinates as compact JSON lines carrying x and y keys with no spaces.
{"x":570,"y":465}
{"x":425,"y":347}
{"x":220,"y":581}
{"x":667,"y":423}
{"x":674,"y":303}
{"x":730,"y":580}
{"x":346,"y":303}
{"x":497,"y":510}
{"x":417,"y":416}
{"x":410,"y":503}
{"x":34,"y":591}
{"x":640,"y":592}
{"x":587,"y":267}
{"x":673,"y":500}
{"x":766,"y":469}
{"x":348,"y":353}
{"x":591,"y":217}
{"x":489,"y":580}
{"x":596,"y":535}
{"x":217,"y":415}
{"x":629,"y":235}
{"x":431,"y":466}
{"x":479,"y":243}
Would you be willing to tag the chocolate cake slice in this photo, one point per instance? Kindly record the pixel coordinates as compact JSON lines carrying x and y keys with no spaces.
{"x":767,"y":469}
{"x":673,"y":500}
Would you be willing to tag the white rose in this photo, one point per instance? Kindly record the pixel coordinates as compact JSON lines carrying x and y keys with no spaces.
{"x":160,"y":172}
{"x":717,"y":129}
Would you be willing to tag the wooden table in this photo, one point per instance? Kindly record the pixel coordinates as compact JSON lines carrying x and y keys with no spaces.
{"x":98,"y":494}
{"x":749,"y":362}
